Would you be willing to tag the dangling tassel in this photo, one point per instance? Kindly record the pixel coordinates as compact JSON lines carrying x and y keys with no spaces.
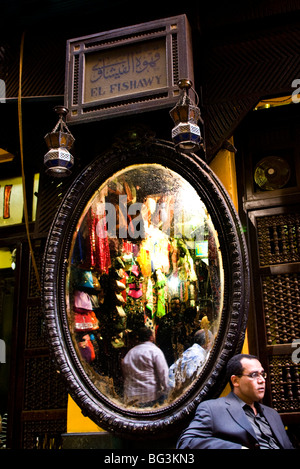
{"x":103,"y":260}
{"x":91,"y":242}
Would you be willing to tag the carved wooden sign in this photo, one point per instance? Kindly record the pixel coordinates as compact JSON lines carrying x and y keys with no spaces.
{"x":127,"y":70}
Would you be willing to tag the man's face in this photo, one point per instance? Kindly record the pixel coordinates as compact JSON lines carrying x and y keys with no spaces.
{"x":175,"y":306}
{"x":249,"y":389}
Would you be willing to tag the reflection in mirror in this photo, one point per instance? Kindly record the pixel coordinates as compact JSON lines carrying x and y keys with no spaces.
{"x":145,"y":257}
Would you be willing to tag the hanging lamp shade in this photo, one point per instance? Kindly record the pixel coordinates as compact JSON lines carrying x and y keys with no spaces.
{"x":58,"y":160}
{"x":186,"y":134}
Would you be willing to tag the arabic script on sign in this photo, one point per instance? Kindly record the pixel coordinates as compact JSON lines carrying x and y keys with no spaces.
{"x":125,"y":70}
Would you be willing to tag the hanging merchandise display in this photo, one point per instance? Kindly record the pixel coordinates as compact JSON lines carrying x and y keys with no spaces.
{"x":136,"y":261}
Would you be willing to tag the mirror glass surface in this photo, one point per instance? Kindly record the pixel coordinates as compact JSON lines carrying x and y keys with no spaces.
{"x":145,"y":253}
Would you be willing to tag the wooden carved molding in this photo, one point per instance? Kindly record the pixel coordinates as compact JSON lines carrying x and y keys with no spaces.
{"x":108,"y":413}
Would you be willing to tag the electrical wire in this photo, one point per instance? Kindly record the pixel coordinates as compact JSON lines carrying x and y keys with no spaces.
{"x":22,"y":160}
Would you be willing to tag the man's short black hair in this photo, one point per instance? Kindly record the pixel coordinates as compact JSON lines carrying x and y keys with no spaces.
{"x":144,"y":334}
{"x":199,"y":337}
{"x":175,"y":298}
{"x":235,"y":367}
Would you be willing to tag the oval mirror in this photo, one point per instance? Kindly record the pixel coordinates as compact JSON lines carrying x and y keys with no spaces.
{"x":145,"y":263}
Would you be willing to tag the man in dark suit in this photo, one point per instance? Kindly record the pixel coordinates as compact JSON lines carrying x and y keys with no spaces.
{"x":237,"y":421}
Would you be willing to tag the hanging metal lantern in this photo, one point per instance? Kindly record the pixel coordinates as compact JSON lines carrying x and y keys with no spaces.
{"x":58,"y":160}
{"x":186,"y":134}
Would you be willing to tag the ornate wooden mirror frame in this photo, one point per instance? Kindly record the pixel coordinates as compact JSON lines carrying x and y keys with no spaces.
{"x":108,"y":412}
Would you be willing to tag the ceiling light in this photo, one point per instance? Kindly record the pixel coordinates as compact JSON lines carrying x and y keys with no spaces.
{"x":186,"y":133}
{"x":58,"y":160}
